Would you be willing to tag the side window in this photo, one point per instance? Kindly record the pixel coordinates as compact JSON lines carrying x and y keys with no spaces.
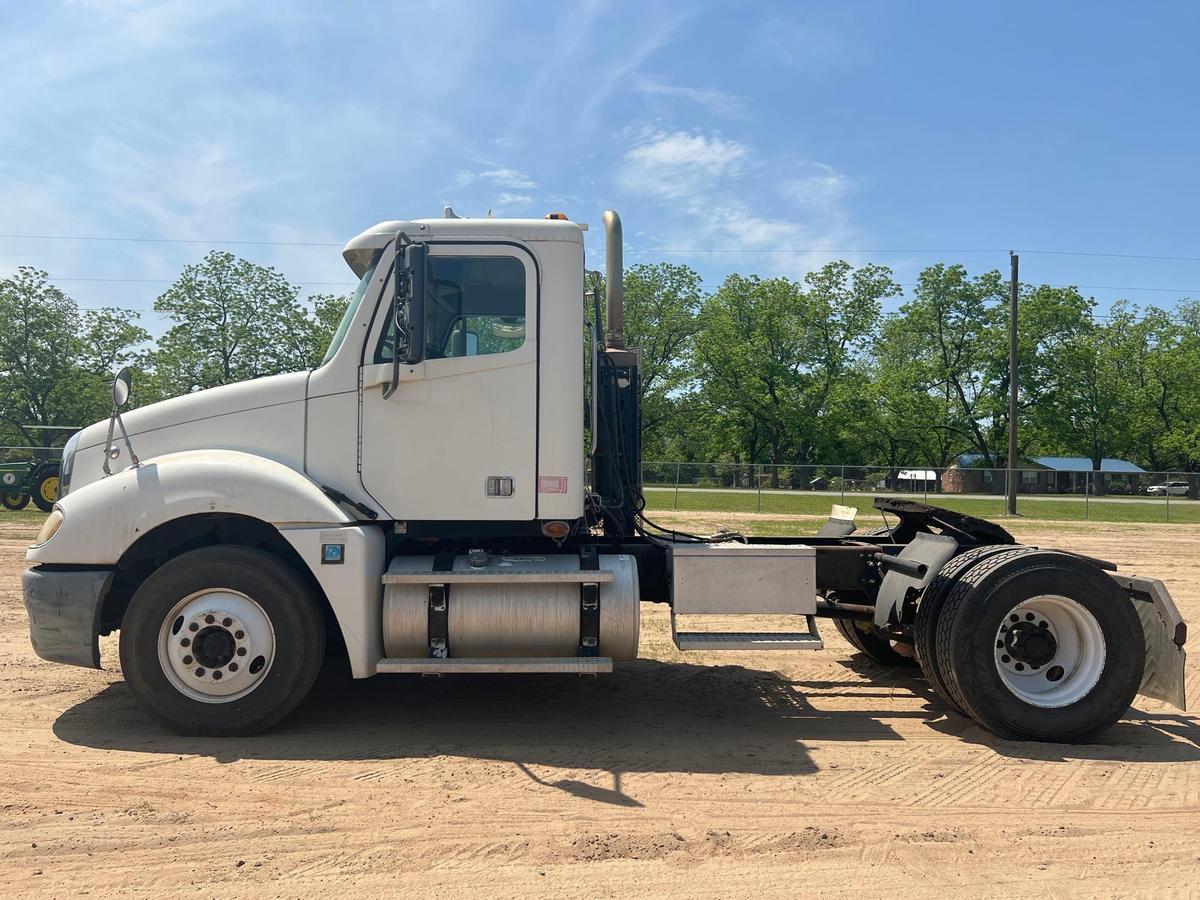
{"x":474,"y":305}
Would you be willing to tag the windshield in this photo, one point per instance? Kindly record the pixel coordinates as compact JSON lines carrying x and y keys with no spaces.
{"x":351,"y":309}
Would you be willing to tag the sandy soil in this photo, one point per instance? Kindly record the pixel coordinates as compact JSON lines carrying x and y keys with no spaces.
{"x":710,"y":776}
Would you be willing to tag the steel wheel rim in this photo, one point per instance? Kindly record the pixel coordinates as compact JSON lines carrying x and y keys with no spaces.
{"x":216,"y":645}
{"x":1078,"y":651}
{"x":50,"y":489}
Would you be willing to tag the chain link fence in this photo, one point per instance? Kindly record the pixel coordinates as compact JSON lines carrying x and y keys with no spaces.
{"x":1044,"y":493}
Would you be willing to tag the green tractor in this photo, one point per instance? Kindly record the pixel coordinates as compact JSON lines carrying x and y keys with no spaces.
{"x":35,"y":480}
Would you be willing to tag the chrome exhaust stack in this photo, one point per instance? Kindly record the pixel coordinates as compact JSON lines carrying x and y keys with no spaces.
{"x":614,"y":282}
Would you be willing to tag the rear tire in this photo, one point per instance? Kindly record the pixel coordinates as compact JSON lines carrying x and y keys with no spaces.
{"x":222,"y":641}
{"x":876,"y":645}
{"x":1039,"y":645}
{"x":45,"y":488}
{"x":929,"y":610}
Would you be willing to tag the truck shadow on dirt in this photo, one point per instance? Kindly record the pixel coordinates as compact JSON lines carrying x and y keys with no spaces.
{"x":647,"y":716}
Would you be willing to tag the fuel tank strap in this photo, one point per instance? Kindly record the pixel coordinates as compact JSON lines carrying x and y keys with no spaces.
{"x":589,"y":604}
{"x":439,"y":610}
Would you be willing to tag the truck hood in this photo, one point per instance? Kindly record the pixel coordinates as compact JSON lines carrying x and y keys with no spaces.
{"x":264,"y":417}
{"x":244,"y":396}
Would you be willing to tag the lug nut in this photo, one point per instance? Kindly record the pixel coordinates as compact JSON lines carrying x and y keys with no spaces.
{"x":1043,"y":624}
{"x":187,"y":660}
{"x":999,"y":645}
{"x":1028,"y":617}
{"x":210,"y":619}
{"x":1013,"y":618}
{"x":241,"y":651}
{"x":1005,"y":658}
{"x":1020,"y":667}
{"x":200,"y":672}
{"x":227,"y":621}
{"x":233,"y":667}
{"x":239,"y":634}
{"x":193,"y":627}
{"x":186,"y":642}
{"x":217,"y":675}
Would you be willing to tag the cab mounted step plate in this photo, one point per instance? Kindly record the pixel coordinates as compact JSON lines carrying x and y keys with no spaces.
{"x":733,"y":580}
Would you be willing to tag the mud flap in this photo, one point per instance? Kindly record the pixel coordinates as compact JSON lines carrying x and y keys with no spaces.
{"x":1165,"y":633}
{"x":899,"y":589}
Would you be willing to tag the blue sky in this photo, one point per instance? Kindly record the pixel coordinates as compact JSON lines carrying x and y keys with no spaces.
{"x":831,"y":130}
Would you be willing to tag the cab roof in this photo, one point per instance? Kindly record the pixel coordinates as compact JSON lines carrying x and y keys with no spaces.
{"x":362,"y":247}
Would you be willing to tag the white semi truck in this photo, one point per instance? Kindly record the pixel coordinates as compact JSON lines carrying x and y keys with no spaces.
{"x":428,"y":500}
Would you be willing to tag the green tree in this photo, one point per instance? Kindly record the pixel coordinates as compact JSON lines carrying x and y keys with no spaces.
{"x":233,"y":320}
{"x":55,"y":362}
{"x":773,"y":353}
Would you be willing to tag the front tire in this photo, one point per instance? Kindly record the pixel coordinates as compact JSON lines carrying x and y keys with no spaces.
{"x":14,"y":501}
{"x":1039,"y":645}
{"x":222,"y":641}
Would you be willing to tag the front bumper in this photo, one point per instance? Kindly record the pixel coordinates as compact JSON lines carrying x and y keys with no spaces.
{"x":64,"y":612}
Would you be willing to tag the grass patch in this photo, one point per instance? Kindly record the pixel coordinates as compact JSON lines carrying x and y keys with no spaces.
{"x":1060,"y":510}
{"x":30,"y":515}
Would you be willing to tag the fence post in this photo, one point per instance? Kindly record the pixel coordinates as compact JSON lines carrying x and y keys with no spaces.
{"x":677,"y":465}
{"x":1087,"y":492}
{"x":843,"y":483}
{"x":1168,"y":493}
{"x":758,"y":492}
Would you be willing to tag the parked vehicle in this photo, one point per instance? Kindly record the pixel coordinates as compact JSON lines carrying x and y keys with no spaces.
{"x":421,"y":497}
{"x":1169,"y":488}
{"x":22,"y":481}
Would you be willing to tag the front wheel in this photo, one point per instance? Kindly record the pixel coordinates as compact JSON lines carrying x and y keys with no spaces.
{"x":14,"y":501}
{"x":222,"y":641}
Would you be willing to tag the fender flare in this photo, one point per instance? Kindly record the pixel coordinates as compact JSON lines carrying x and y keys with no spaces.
{"x":103,"y":519}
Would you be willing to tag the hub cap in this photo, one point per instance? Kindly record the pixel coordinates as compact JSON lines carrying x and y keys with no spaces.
{"x":216,"y":645}
{"x":1050,"y":651}
{"x":50,"y":489}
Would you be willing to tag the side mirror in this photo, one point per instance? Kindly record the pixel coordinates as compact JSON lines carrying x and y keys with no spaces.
{"x":410,"y":303}
{"x":122,"y":383}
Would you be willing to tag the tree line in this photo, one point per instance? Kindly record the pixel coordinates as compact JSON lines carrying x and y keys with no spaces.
{"x":759,"y":370}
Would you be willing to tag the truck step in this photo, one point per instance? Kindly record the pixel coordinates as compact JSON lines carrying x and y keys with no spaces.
{"x":748,"y":640}
{"x":551,"y":665}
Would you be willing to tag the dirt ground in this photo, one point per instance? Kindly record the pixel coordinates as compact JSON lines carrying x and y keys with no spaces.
{"x":699,"y":776}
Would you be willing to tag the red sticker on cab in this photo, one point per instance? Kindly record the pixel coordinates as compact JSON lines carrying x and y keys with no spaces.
{"x":552,"y":484}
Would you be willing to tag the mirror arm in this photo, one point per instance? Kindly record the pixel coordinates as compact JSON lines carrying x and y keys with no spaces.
{"x":402,"y":241}
{"x":115,"y":419}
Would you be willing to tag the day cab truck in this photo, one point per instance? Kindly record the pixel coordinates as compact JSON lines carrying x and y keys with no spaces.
{"x":455,"y":489}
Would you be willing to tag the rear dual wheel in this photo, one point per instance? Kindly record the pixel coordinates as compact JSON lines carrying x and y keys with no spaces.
{"x":1032,"y":644}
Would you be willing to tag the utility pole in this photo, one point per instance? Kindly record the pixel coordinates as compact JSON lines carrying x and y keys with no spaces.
{"x":1012,"y":387}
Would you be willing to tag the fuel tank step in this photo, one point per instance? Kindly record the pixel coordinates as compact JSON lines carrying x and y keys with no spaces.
{"x":748,"y":640}
{"x":549,"y":665}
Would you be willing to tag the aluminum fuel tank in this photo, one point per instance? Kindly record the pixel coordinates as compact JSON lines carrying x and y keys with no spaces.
{"x":512,"y":606}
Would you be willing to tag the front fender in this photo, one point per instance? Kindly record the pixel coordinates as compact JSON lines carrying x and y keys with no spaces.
{"x":102,"y":519}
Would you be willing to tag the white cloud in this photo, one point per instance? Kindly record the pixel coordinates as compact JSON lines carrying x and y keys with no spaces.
{"x":719,"y":196}
{"x":498,"y":177}
{"x":817,"y":186}
{"x":512,"y":199}
{"x":680,"y":164}
{"x":719,"y":103}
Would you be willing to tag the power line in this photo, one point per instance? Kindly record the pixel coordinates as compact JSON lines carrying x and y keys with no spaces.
{"x":172,"y":281}
{"x":151,"y":240}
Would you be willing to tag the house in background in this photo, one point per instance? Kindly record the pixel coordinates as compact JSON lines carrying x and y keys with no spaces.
{"x":1043,"y":475}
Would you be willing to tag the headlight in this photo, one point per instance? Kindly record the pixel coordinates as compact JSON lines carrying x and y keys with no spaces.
{"x":49,"y":527}
{"x":68,"y":465}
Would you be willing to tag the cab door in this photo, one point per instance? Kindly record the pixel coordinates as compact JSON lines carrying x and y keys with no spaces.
{"x":457,"y":439}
